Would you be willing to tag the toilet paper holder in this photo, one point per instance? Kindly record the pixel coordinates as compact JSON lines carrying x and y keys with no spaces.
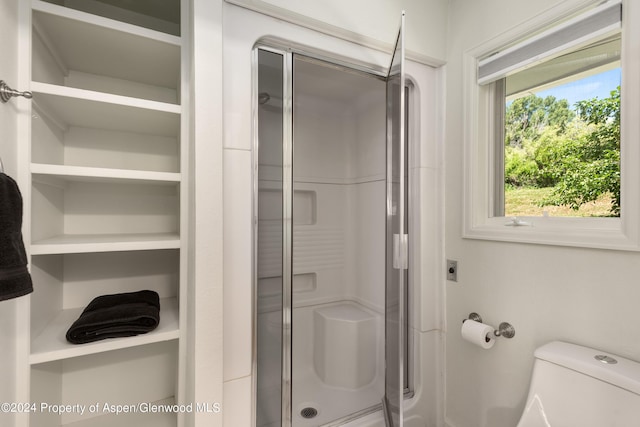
{"x":505,"y":329}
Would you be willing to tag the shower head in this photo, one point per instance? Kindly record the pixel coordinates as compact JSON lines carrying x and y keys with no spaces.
{"x":263,"y":98}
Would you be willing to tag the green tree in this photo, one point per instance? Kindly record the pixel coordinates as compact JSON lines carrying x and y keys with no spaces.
{"x":520,"y":168}
{"x":588,"y":167}
{"x":527,"y":117}
{"x":554,"y":150}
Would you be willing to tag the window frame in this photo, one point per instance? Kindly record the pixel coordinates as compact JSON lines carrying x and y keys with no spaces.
{"x":481,"y":157}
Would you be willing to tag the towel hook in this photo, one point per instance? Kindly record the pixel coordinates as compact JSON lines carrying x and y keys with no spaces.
{"x":6,"y":93}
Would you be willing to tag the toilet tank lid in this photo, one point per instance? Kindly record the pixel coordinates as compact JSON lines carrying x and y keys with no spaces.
{"x":624,"y":374}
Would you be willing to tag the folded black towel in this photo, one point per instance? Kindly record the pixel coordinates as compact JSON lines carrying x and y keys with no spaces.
{"x":117,"y":315}
{"x":15,"y":280}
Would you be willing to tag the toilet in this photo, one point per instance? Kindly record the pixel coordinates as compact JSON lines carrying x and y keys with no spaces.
{"x":574,"y":386}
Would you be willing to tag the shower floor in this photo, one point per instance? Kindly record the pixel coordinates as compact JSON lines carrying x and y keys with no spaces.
{"x":331,"y":403}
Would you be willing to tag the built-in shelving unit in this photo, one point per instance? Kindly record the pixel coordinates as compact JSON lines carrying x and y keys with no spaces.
{"x":107,"y":202}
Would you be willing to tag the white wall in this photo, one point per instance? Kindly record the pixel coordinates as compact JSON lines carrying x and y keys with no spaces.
{"x":584,"y":296}
{"x":11,"y":311}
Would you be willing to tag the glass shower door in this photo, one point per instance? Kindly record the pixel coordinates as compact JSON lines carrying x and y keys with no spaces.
{"x":272,"y":246}
{"x":396,"y":238}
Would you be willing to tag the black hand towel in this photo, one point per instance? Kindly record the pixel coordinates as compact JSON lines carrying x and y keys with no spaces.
{"x":15,"y":280}
{"x":117,"y":315}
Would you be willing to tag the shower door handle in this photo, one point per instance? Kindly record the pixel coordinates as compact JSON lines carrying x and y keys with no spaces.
{"x":401,"y":251}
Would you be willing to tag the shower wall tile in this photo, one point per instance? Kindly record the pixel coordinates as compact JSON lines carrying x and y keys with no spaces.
{"x":236,"y":407}
{"x":425,"y":407}
{"x":321,"y":135}
{"x":368,"y":149}
{"x":426,"y":108}
{"x":237,"y":264}
{"x":318,"y":248}
{"x":237,"y":94}
{"x":427,"y":261}
{"x":366,"y":226}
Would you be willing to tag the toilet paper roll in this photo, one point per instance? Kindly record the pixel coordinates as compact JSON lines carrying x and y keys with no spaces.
{"x":478,"y":333}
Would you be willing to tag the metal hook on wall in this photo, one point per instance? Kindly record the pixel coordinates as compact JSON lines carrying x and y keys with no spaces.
{"x":6,"y":93}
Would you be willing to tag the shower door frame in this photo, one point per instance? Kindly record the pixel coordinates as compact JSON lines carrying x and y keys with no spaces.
{"x":288,"y":50}
{"x":397,"y":237}
{"x":287,"y":226}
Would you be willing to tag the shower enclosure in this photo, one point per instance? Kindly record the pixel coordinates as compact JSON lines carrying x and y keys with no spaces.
{"x":331,"y":245}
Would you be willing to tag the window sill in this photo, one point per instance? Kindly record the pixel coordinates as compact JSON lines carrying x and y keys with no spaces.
{"x":597,"y":233}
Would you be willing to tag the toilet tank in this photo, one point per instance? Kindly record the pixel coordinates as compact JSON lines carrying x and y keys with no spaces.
{"x":575,"y":386}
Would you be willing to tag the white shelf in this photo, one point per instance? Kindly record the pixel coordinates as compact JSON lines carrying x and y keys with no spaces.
{"x":85,"y":108}
{"x":102,"y":46}
{"x":86,"y":243}
{"x":91,"y":95}
{"x":52,"y":344}
{"x":92,"y":174}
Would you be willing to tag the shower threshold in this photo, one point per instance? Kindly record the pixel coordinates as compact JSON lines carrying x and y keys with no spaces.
{"x":356,"y":416}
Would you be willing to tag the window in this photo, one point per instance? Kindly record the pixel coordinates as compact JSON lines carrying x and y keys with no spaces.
{"x":545,"y":131}
{"x":560,"y":135}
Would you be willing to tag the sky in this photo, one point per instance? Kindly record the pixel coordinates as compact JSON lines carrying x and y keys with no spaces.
{"x":598,"y":85}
